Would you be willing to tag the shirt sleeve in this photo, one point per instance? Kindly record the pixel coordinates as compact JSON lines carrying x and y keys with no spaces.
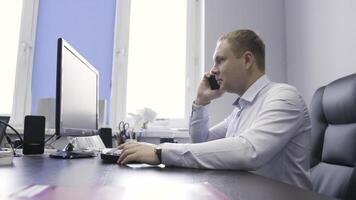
{"x":275,"y":125}
{"x":198,"y":126}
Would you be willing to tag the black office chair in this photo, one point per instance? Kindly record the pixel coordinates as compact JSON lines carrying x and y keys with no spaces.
{"x":350,"y":193}
{"x":333,"y":116}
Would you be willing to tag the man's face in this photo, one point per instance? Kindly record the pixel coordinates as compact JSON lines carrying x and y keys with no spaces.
{"x":229,"y":71}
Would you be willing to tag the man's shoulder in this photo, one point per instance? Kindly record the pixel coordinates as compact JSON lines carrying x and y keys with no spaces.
{"x":281,"y":88}
{"x":283,"y":91}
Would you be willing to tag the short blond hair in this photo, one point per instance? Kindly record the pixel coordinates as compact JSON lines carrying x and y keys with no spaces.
{"x":246,"y":40}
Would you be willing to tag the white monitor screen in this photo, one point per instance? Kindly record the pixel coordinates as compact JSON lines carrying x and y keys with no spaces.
{"x":78,"y":105}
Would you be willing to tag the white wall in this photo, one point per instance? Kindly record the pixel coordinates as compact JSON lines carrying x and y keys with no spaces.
{"x":321,"y":42}
{"x":265,"y":17}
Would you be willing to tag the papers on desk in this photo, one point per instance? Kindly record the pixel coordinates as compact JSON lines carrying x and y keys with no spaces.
{"x":200,"y":191}
{"x":6,"y":157}
{"x":30,"y":191}
{"x":141,"y":165}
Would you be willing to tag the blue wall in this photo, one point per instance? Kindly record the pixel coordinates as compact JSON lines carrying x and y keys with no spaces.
{"x":88,"y":25}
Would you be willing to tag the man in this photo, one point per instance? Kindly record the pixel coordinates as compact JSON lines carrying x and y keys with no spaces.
{"x":267,"y":133}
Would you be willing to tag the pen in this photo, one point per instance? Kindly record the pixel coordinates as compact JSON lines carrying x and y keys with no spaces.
{"x":132,"y":134}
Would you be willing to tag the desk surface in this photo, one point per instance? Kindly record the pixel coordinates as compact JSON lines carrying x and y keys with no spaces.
{"x":41,"y":169}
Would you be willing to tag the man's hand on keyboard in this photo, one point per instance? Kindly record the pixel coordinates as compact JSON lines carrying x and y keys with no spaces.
{"x":138,"y":152}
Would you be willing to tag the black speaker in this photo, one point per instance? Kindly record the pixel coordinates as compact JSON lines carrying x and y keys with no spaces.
{"x":106,"y":136}
{"x":34,"y":134}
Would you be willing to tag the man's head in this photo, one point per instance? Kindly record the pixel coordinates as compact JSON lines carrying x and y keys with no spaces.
{"x":239,"y":60}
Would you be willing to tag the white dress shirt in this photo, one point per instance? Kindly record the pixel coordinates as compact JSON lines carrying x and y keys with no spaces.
{"x":268,"y":133}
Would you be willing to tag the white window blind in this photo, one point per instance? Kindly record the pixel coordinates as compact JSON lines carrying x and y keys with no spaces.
{"x":10,"y":21}
{"x":157,"y":57}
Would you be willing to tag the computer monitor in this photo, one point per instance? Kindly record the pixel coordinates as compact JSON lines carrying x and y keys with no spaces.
{"x":77,"y":99}
{"x":77,"y":93}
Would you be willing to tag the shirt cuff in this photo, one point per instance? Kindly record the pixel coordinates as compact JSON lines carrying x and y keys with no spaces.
{"x":172,"y":154}
{"x":199,"y":111}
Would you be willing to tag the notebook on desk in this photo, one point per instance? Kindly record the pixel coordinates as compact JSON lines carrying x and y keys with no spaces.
{"x":5,"y":119}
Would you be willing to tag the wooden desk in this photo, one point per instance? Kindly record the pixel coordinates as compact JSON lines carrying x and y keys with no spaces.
{"x":41,"y":169}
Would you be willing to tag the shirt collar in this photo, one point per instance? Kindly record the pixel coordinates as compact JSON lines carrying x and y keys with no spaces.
{"x":251,"y":93}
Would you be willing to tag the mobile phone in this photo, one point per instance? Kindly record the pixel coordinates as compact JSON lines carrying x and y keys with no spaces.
{"x":214,"y":85}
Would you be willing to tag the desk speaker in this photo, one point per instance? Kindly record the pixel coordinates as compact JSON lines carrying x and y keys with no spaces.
{"x":34,"y":134}
{"x":106,"y":136}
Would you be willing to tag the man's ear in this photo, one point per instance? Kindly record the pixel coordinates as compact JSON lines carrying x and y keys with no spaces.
{"x":248,"y":59}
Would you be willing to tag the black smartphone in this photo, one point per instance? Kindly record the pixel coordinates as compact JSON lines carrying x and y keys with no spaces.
{"x":214,"y":85}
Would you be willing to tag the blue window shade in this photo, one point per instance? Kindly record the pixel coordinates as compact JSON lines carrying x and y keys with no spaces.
{"x":88,"y":25}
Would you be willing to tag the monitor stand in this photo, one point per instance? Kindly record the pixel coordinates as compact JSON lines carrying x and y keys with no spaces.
{"x":68,"y":152}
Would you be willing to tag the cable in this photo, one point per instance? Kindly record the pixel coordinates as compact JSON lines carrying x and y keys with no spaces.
{"x":50,"y":138}
{"x":12,"y":128}
{"x":50,"y":144}
{"x":21,"y":141}
{"x":9,"y":139}
{"x":11,"y":145}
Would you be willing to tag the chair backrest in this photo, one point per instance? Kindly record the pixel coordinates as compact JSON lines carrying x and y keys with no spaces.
{"x":350,"y":193}
{"x":333,"y":116}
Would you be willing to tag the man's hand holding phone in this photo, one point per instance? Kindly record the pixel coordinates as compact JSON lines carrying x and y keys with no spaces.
{"x":208,"y":90}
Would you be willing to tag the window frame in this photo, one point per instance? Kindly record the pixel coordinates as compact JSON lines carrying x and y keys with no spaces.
{"x":194,"y":60}
{"x":25,"y":55}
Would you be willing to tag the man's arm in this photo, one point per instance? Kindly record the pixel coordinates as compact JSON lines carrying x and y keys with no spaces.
{"x":198,"y":126}
{"x":144,"y":152}
{"x":274,"y":127}
{"x":276,"y":124}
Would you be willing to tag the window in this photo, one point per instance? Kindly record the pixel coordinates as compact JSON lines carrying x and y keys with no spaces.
{"x":156,"y":58}
{"x":9,"y":41}
{"x":21,"y":63}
